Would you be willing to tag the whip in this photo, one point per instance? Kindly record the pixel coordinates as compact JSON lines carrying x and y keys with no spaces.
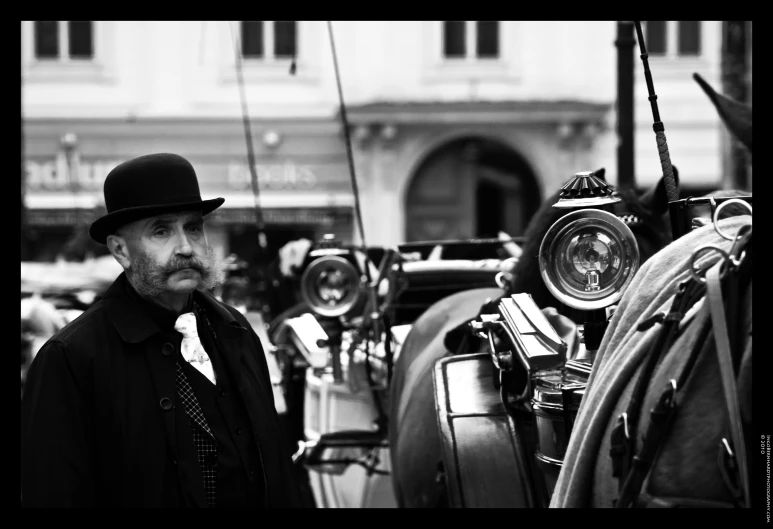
{"x":672,"y":187}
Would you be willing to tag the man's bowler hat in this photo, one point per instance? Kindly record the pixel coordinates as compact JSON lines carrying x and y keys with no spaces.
{"x":148,"y":186}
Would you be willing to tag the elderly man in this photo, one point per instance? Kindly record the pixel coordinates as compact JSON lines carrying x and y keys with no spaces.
{"x":158,"y":395}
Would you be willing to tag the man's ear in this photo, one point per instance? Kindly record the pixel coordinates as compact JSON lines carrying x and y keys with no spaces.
{"x":117,"y":246}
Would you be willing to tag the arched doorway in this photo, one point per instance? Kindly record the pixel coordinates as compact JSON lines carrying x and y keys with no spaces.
{"x":470,"y":188}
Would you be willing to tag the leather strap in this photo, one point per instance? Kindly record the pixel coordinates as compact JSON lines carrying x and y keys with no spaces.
{"x":625,"y":431}
{"x":724,"y":356}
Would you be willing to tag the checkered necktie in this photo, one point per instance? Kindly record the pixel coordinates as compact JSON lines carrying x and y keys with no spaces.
{"x":191,"y":347}
{"x":203,"y":438}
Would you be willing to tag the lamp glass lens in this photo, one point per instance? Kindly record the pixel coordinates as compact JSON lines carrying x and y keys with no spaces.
{"x":587,"y":258}
{"x":333,"y":285}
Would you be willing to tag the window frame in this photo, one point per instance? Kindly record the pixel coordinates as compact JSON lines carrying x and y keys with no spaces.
{"x":672,"y":43}
{"x":63,"y":68}
{"x":308,"y":46}
{"x":672,"y":66}
{"x":507,"y":67}
{"x":63,"y":44}
{"x":471,"y":44}
{"x":269,"y":44}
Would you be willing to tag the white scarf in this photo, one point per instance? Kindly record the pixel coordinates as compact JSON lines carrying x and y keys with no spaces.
{"x":191,"y":347}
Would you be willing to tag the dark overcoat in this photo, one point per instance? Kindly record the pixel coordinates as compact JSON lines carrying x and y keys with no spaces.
{"x":97,"y":426}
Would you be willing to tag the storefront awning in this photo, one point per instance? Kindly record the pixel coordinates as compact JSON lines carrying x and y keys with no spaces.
{"x":241,"y":200}
{"x":287,"y":209}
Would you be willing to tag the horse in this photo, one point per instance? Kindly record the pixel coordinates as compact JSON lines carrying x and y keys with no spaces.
{"x":413,"y":434}
{"x":687,"y":470}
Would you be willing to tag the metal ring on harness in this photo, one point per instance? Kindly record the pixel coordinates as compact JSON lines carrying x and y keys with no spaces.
{"x":741,"y":235}
{"x":697,"y":251}
{"x":715,"y":218}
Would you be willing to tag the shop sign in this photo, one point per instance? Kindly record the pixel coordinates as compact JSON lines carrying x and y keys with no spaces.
{"x":59,"y":217}
{"x":53,"y":175}
{"x":223,"y":216}
{"x":288,"y":176}
{"x":89,"y":176}
{"x":51,"y":217}
{"x":283,"y":216}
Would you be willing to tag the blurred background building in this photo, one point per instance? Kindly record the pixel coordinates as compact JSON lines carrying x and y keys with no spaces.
{"x":460,"y":128}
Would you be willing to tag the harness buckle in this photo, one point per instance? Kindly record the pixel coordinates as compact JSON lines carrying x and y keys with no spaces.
{"x":739,"y":243}
{"x":666,"y":404}
{"x":727,"y":448}
{"x":620,"y":449}
{"x":660,"y":317}
{"x":624,"y":417}
{"x":728,"y":467}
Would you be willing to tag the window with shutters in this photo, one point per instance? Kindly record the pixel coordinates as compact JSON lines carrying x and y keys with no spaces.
{"x":470,"y":40}
{"x":471,"y":51}
{"x":673,"y":39}
{"x":61,"y":51}
{"x":275,"y":51}
{"x":269,"y":40}
{"x":63,"y":41}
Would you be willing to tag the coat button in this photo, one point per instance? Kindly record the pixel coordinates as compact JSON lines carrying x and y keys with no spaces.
{"x":174,"y":462}
{"x":238,"y":431}
{"x":167,"y":349}
{"x":252,"y":472}
{"x":221,"y":392}
{"x":166,"y":403}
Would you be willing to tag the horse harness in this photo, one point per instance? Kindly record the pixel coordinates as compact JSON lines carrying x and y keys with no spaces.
{"x":631,"y":470}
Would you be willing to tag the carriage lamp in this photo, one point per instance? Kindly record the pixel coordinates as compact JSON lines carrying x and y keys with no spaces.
{"x":586,"y":190}
{"x":589,"y":256}
{"x":587,"y":259}
{"x":330,"y":286}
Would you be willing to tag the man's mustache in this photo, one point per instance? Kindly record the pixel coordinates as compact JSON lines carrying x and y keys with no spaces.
{"x":177,"y":263}
{"x":150,"y":277}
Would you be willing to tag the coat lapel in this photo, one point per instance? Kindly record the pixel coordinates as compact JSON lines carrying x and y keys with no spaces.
{"x":230,"y":341}
{"x":234,"y":339}
{"x":245,"y":373}
{"x":229,"y":334}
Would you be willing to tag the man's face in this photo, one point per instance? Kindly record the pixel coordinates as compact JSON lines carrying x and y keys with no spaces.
{"x":170,"y":254}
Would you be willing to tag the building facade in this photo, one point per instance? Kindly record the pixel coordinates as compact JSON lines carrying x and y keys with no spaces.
{"x":458,"y":129}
